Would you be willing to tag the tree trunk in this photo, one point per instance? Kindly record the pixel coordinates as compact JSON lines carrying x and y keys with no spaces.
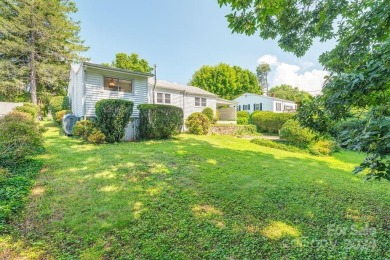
{"x":33,"y":80}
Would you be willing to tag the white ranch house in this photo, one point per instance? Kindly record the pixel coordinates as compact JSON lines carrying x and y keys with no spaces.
{"x":90,"y":83}
{"x":254,"y":102}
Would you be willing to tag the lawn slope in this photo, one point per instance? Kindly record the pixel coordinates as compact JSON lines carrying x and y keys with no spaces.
{"x":198,"y":197}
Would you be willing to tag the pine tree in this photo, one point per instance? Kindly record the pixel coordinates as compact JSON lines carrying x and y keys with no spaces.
{"x":38,"y":41}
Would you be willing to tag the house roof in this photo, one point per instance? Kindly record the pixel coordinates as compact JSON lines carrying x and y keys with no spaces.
{"x":103,"y":67}
{"x":181,"y":88}
{"x":272,"y":98}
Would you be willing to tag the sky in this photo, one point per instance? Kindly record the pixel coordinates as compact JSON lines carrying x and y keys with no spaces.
{"x":181,"y":36}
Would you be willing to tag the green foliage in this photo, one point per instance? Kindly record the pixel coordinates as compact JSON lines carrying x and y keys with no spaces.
{"x":209,"y":113}
{"x":15,"y":186}
{"x":28,"y":108}
{"x":226,"y":81}
{"x":39,"y":39}
{"x":60,"y":114}
{"x":234,"y":130}
{"x":290,"y":93}
{"x":246,"y":130}
{"x":313,"y":115}
{"x":159,"y":121}
{"x":112,"y":117}
{"x":84,"y":129}
{"x":323,"y":147}
{"x":198,"y":123}
{"x":59,"y":103}
{"x":276,"y":144}
{"x":243,"y":117}
{"x":130,"y":62}
{"x":262,"y":72}
{"x":96,"y":137}
{"x":294,"y":133}
{"x":270,"y":122}
{"x":347,"y":130}
{"x":358,"y":64}
{"x":20,"y":136}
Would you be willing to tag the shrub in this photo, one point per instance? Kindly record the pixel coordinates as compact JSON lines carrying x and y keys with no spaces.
{"x":60,"y":114}
{"x":243,"y":117}
{"x":83,"y":129}
{"x":28,"y":108}
{"x":276,"y":144}
{"x":58,"y":103}
{"x":20,"y":136}
{"x":346,"y":130}
{"x":198,"y":124}
{"x":209,"y":113}
{"x":4,"y":175}
{"x":112,"y":117}
{"x":294,"y":133}
{"x":159,"y":121}
{"x":96,"y":137}
{"x":323,"y":147}
{"x":270,"y":122}
{"x":246,"y":130}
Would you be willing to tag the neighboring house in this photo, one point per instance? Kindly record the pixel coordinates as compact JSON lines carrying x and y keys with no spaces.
{"x":6,"y":107}
{"x":254,"y":102}
{"x":190,"y":99}
{"x":90,"y":83}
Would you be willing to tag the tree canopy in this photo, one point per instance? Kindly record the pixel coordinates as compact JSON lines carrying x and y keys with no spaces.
{"x":226,"y":81}
{"x":130,"y":62}
{"x":290,"y":93}
{"x":38,"y":42}
{"x":262,"y":71}
{"x":359,"y":63}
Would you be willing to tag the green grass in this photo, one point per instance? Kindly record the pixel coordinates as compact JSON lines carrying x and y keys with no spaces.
{"x":198,"y":197}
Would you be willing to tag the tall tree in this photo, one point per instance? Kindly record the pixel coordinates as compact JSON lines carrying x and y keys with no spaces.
{"x":38,"y":41}
{"x":262,"y":75}
{"x":290,"y":93}
{"x":226,"y":81}
{"x":130,"y":62}
{"x":359,"y":63}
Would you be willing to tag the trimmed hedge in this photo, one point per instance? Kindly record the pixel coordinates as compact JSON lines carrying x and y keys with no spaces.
{"x":270,"y":122}
{"x":58,"y":103}
{"x":112,"y":117}
{"x":28,"y":108}
{"x":159,"y":121}
{"x":243,"y":117}
{"x":198,"y":124}
{"x":20,"y":136}
{"x":294,"y":133}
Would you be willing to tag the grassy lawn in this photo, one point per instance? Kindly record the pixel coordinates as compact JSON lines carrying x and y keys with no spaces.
{"x":198,"y":197}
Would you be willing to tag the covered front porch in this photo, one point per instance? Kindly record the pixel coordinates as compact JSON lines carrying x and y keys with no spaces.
{"x":227,"y":110}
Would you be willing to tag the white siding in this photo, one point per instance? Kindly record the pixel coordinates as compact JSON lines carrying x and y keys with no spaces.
{"x":76,"y":91}
{"x":268,"y":103}
{"x":95,"y":91}
{"x":186,"y":101}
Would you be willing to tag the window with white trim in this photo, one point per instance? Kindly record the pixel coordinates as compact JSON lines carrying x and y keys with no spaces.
{"x":200,"y":102}
{"x":246,"y":107}
{"x":163,"y":98}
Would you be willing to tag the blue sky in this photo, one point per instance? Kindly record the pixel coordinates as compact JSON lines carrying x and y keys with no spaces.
{"x":181,"y":36}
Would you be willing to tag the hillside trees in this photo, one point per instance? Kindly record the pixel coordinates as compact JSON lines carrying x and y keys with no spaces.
{"x":38,"y":41}
{"x":130,"y":62}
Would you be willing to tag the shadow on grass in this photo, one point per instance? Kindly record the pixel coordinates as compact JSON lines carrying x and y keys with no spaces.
{"x":193,"y":198}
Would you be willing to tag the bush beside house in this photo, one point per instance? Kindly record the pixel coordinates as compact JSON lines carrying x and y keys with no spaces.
{"x":209,"y":113}
{"x":294,"y":133}
{"x":112,"y":117}
{"x":58,"y":103}
{"x":243,"y":117}
{"x":270,"y":122}
{"x":159,"y":121}
{"x":197,"y":123}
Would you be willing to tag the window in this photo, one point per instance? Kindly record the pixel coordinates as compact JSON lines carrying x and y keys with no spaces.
{"x":113,"y":84}
{"x":204,"y":102}
{"x":200,"y":102}
{"x":246,"y":107}
{"x":288,"y":108}
{"x":239,"y":108}
{"x":163,"y":98}
{"x":278,"y":106}
{"x":258,"y":107}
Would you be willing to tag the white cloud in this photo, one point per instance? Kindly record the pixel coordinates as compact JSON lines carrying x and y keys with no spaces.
{"x":284,"y":73}
{"x":268,"y":58}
